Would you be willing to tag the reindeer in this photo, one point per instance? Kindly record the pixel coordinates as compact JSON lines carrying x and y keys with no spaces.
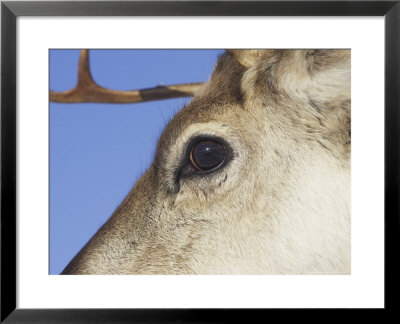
{"x":251,"y":177}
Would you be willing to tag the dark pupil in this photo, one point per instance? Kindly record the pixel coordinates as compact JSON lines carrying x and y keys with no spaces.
{"x":207,"y":155}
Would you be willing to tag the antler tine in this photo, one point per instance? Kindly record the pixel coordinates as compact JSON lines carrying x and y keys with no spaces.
{"x":85,"y":79}
{"x":87,"y":90}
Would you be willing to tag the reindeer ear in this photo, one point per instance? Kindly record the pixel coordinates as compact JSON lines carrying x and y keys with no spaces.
{"x":317,"y":75}
{"x":329,"y":74}
{"x":248,"y":58}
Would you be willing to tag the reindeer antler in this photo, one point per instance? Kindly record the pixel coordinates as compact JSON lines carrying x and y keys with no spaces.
{"x":87,"y":90}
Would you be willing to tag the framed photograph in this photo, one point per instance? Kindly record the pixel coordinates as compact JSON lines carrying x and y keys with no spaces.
{"x":191,"y":160}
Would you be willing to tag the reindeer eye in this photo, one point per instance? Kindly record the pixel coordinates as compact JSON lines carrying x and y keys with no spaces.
{"x":207,"y":155}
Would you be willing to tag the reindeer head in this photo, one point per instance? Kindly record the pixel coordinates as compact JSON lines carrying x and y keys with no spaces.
{"x":253,"y":176}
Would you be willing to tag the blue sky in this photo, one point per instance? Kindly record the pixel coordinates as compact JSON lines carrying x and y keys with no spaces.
{"x":98,"y":151}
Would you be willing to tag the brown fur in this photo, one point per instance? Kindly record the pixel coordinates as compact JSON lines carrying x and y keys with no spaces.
{"x":281,"y":205}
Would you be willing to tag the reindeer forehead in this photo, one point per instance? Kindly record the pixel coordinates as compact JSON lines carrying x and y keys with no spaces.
{"x":219,"y":96}
{"x":224,"y":85}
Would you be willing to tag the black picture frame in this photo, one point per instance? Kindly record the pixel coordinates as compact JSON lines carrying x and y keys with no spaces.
{"x":9,"y":13}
